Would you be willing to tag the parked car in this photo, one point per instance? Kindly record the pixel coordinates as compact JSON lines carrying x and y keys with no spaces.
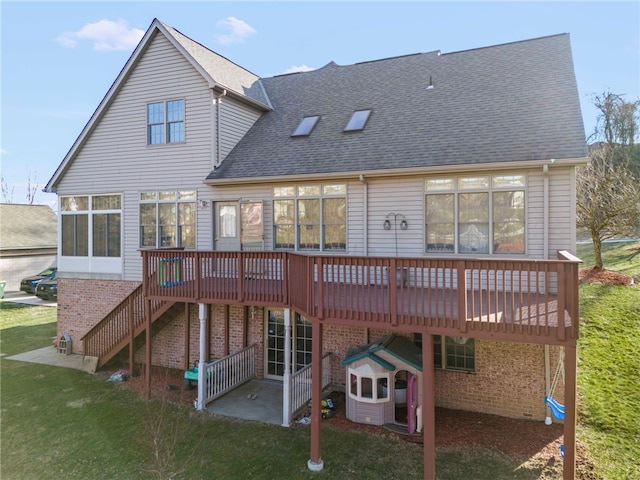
{"x":48,"y":289}
{"x":29,"y":284}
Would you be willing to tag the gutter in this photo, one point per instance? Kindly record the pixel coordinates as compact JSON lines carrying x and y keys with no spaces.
{"x":404,"y":172}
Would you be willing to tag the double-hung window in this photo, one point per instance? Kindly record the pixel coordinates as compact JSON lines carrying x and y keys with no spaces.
{"x":165,"y":122}
{"x":475,"y":215}
{"x":310,"y":217}
{"x":451,"y":353}
{"x":168,"y":219}
{"x":91,"y":226}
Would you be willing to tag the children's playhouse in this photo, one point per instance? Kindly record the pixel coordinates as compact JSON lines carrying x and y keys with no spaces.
{"x":384,"y":384}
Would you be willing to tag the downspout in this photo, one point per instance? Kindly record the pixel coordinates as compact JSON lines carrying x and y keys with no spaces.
{"x":365,"y":214}
{"x":218,"y":160}
{"x":365,"y":234}
{"x":545,"y":241}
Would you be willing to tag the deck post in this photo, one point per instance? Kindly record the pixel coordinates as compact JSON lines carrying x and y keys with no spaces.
{"x":286,"y":378}
{"x":202,"y":370}
{"x":147,"y":353}
{"x":315,"y":463}
{"x":570,"y":395}
{"x":428,"y":407}
{"x":132,"y":329}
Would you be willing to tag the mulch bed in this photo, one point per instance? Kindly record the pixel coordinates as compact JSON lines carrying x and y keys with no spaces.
{"x":517,"y":438}
{"x":603,"y":276}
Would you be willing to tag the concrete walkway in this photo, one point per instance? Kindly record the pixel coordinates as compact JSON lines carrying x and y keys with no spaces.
{"x":26,"y":298}
{"x":50,"y":356}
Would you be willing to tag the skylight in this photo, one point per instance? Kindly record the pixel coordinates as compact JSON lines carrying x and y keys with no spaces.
{"x":358,"y":120}
{"x":305,"y":126}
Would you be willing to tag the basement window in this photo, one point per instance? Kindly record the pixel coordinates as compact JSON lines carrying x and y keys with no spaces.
{"x":358,"y":120}
{"x":305,"y":126}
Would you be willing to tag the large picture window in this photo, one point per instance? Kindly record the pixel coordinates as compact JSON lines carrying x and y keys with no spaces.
{"x":165,"y":122}
{"x":310,"y":217}
{"x":475,"y":215}
{"x":168,"y":219}
{"x":91,"y":226}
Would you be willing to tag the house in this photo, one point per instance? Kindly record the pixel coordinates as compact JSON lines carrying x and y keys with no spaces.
{"x":254,"y":224}
{"x":28,"y":241}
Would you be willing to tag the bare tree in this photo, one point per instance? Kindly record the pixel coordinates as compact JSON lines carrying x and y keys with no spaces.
{"x":7,"y":193}
{"x":32,"y":188}
{"x":608,"y":189}
{"x":608,"y":198}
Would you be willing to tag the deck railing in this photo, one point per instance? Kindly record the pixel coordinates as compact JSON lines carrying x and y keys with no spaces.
{"x":300,"y":386}
{"x":120,"y":326}
{"x":226,"y":373}
{"x":469,"y":296}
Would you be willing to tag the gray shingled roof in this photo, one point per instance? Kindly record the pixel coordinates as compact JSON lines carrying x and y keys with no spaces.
{"x":222,"y":70}
{"x":27,"y":227}
{"x":511,"y":102}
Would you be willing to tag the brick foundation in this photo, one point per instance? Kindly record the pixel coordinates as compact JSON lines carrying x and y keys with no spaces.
{"x":509,"y":378}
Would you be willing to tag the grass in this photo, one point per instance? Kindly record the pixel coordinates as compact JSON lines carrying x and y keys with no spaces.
{"x":608,"y":375}
{"x":60,"y":423}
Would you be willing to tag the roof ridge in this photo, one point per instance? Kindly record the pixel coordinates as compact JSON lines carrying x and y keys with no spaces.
{"x":506,"y":43}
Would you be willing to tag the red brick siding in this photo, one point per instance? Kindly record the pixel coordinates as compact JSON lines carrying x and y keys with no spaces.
{"x":82,"y":303}
{"x":509,"y":378}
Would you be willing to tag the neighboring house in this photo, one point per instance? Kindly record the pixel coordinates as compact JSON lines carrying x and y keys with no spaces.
{"x":28,"y":241}
{"x":265,"y":217}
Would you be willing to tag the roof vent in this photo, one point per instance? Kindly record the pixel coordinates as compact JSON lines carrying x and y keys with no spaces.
{"x":430,"y":86}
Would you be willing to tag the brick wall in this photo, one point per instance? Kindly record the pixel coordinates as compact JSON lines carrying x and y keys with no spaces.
{"x":82,"y":303}
{"x":509,"y":378}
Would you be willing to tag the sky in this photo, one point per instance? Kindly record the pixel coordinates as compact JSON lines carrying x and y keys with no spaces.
{"x":58,"y":59}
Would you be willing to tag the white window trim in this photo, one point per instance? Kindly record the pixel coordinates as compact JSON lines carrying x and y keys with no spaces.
{"x":90,"y":263}
{"x":320,"y":197}
{"x":365,"y":371}
{"x":489,"y":190}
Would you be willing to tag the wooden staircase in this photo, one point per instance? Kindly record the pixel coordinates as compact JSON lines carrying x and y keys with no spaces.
{"x":121,"y":326}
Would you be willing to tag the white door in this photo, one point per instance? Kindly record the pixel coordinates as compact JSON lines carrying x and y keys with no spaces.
{"x":227,"y":227}
{"x":275,"y":343}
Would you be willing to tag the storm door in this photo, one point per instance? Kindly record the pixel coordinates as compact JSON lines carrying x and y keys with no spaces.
{"x":227,"y":227}
{"x":275,"y":343}
{"x":238,"y":226}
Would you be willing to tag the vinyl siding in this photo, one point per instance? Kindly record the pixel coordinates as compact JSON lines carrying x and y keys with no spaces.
{"x":116,"y":158}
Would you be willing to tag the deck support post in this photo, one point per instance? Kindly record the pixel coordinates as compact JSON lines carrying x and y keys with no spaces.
{"x":315,"y":463}
{"x":429,"y":407}
{"x":570,"y":409}
{"x":286,"y":378}
{"x":147,"y":353}
{"x":202,"y":369}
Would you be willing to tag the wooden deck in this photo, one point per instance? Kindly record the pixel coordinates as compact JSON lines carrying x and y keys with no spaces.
{"x":518,"y":300}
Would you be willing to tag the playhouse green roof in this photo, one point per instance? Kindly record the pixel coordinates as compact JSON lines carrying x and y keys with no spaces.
{"x":395,"y":345}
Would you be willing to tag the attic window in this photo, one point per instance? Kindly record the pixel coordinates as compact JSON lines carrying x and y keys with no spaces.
{"x":305,"y":126}
{"x":358,"y":120}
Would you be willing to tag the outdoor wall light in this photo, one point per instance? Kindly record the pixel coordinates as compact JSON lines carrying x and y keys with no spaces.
{"x":387,"y":224}
{"x":404,"y":225}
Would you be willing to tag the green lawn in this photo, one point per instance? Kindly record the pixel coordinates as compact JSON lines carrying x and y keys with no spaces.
{"x":59,"y":423}
{"x":608,"y":372}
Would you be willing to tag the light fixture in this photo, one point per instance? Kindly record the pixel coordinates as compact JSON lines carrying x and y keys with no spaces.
{"x":202,"y":203}
{"x":387,"y":224}
{"x":404,"y":225}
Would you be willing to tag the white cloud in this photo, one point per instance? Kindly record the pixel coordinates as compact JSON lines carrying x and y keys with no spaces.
{"x":301,"y":68}
{"x":237,"y":30}
{"x":106,"y":35}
